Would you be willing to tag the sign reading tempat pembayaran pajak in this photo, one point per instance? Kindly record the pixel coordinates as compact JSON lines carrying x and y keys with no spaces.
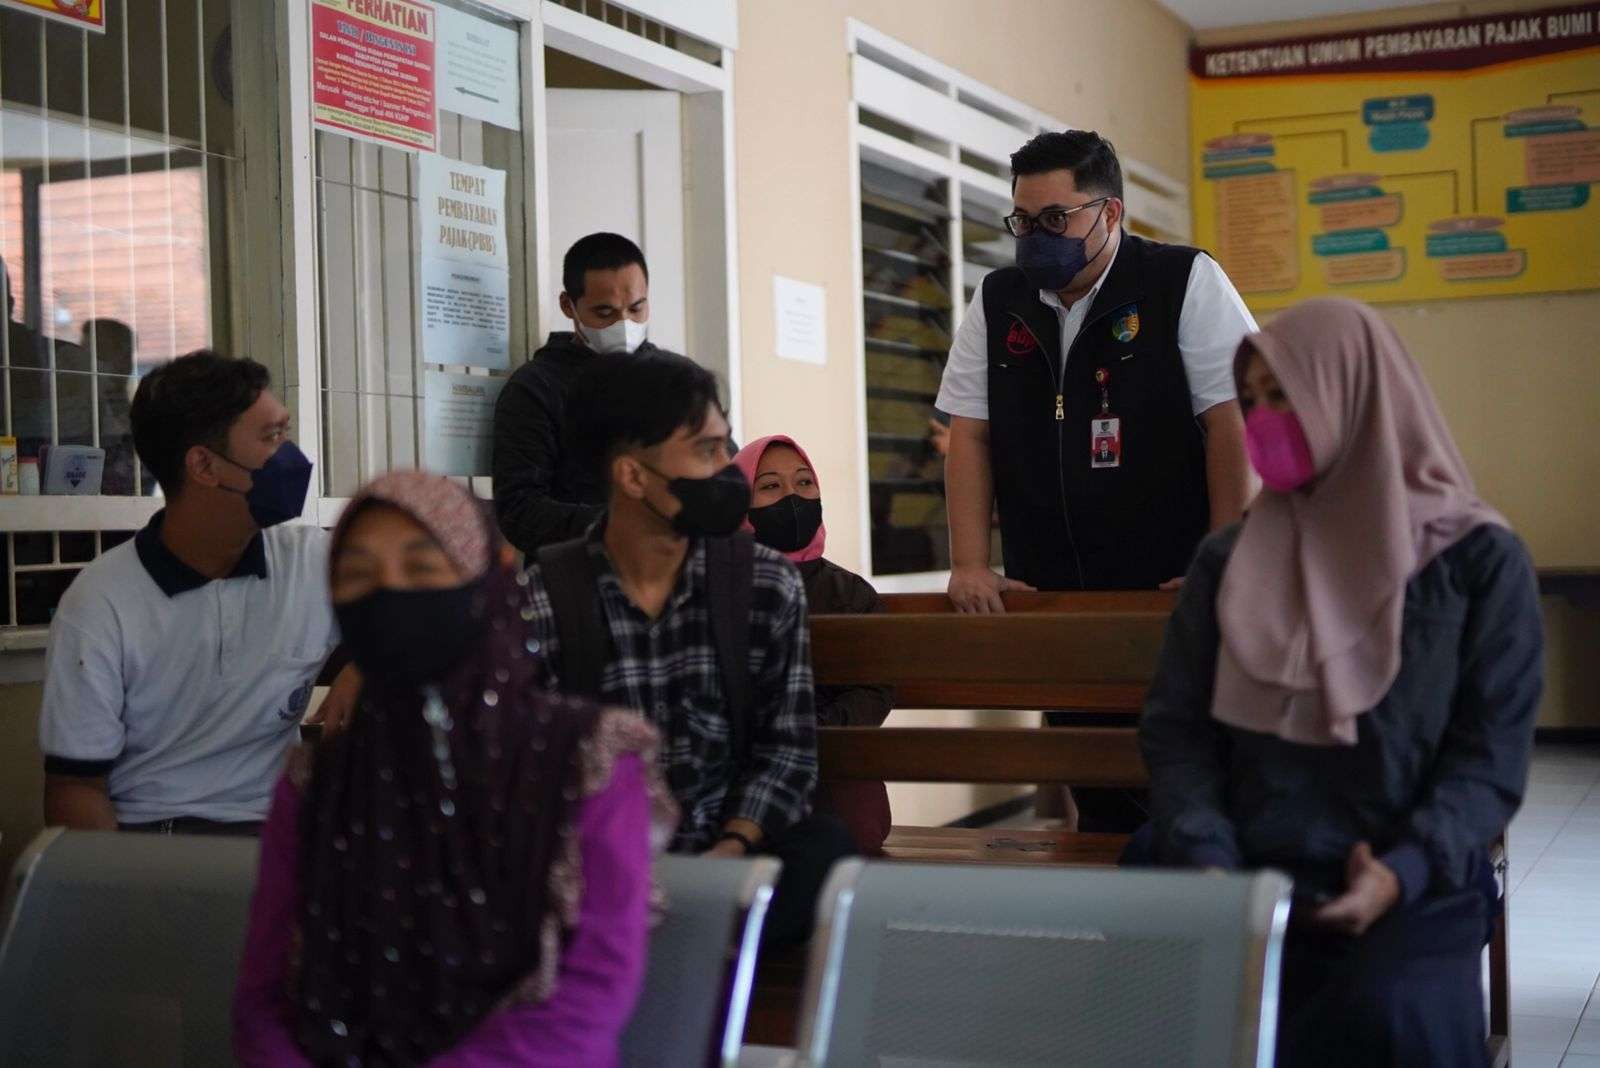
{"x":1434,"y":160}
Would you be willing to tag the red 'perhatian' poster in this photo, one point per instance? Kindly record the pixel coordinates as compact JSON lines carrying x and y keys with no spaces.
{"x":84,"y":14}
{"x":372,"y":70}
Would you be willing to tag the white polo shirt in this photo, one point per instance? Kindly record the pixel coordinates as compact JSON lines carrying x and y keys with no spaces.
{"x":1213,"y":322}
{"x":187,"y":691}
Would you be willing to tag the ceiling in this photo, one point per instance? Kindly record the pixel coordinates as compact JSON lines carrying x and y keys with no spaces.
{"x":1217,"y":14}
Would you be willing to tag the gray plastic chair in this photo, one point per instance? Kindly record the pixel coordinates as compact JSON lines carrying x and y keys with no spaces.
{"x":123,"y":949}
{"x":934,"y":965}
{"x":702,"y":962}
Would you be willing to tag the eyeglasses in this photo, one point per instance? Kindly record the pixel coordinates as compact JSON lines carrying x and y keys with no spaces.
{"x":1054,"y":220}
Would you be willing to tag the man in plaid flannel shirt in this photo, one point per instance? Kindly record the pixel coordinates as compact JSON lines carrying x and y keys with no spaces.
{"x":655,"y":425}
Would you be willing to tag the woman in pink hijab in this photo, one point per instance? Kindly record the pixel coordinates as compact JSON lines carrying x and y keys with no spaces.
{"x":1348,"y":693}
{"x":786,"y":515}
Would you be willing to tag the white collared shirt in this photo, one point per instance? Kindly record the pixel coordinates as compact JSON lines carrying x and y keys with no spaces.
{"x":1213,"y":321}
{"x":187,"y":698}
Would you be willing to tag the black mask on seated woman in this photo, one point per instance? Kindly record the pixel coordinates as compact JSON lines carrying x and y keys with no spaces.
{"x":787,"y":524}
{"x":412,"y":637}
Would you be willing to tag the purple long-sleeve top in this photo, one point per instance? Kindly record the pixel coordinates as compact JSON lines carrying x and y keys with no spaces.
{"x":602,"y":963}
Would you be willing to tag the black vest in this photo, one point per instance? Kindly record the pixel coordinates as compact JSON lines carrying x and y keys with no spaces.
{"x":1065,"y":525}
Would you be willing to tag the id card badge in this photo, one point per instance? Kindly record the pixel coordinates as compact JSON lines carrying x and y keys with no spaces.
{"x":1105,"y":441}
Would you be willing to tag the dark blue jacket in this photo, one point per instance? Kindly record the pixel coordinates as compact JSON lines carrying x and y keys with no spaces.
{"x":1439,"y":766}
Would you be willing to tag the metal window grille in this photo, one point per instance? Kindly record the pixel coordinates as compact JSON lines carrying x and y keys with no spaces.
{"x":118,"y":152}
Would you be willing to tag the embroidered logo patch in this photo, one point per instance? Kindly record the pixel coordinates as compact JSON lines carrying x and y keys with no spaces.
{"x":1019,"y":340}
{"x":299,"y":700}
{"x":1126,"y":326}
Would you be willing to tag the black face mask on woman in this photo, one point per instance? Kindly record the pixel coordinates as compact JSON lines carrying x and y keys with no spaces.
{"x":411,"y":637}
{"x":787,"y":524}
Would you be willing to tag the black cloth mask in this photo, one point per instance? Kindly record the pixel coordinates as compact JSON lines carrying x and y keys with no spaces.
{"x":788,"y":524}
{"x":411,"y":637}
{"x":712,"y":507}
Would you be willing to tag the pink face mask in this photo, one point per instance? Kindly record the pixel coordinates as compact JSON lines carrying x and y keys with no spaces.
{"x":1278,"y":449}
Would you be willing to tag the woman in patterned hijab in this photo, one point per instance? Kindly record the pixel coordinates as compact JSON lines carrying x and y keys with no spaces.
{"x":464,"y":872}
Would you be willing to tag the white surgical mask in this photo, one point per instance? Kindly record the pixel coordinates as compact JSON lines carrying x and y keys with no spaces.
{"x":624,"y":335}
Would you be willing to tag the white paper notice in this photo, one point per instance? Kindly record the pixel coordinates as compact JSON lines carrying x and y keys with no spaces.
{"x":463,"y":211}
{"x":466,"y":286}
{"x":458,"y":422}
{"x":477,"y":69}
{"x":800,"y":319}
{"x":466,"y":314}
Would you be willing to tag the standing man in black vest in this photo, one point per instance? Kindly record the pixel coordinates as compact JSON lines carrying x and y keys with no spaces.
{"x":1092,"y":394}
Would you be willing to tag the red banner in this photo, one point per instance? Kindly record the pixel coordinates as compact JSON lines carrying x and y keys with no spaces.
{"x":1452,"y":44}
{"x":84,"y":14}
{"x":372,"y":70}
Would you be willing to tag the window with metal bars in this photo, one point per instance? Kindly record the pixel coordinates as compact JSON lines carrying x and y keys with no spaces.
{"x":119,"y":158}
{"x":41,"y":565}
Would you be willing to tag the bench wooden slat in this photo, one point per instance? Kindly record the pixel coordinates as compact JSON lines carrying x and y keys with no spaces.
{"x":1090,"y":647}
{"x":1091,"y":601}
{"x":1002,"y":845}
{"x":1124,"y":697}
{"x":1081,"y":756}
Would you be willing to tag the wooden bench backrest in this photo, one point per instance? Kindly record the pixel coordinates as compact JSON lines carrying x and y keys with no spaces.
{"x":1083,"y":756}
{"x":923,"y":604}
{"x":1081,"y":652}
{"x":1093,"y":652}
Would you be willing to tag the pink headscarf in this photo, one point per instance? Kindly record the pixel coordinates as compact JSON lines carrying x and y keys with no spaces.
{"x":1311,"y":603}
{"x":749,"y":459}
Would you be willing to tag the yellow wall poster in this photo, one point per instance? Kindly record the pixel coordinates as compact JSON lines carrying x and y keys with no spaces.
{"x":1443,"y":159}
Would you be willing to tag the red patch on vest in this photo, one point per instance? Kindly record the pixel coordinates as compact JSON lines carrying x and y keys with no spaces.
{"x":1019,"y":341}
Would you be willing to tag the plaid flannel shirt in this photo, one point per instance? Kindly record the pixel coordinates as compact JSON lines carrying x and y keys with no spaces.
{"x":666,"y":669}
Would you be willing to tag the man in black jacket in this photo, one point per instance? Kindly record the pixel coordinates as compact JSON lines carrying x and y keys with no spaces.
{"x":542,"y":493}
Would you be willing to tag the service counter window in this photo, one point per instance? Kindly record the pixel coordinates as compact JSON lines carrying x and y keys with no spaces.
{"x":120,"y":158}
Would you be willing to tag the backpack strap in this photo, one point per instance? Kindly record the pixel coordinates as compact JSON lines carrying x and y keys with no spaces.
{"x":730,"y":579}
{"x":580,"y":628}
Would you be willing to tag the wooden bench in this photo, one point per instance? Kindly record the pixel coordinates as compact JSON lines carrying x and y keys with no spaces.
{"x":1080,"y":652}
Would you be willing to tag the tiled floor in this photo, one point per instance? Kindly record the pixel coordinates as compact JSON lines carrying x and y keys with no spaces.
{"x":1555,"y":913}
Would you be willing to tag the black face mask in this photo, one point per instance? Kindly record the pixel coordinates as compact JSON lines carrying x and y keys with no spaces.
{"x":411,"y":637}
{"x":712,"y":507}
{"x":788,"y":525}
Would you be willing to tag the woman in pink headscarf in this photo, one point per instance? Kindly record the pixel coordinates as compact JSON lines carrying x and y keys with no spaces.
{"x":1348,"y":693}
{"x":786,"y":515}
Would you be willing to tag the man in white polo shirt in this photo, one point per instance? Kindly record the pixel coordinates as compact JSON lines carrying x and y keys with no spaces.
{"x":182,"y":661}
